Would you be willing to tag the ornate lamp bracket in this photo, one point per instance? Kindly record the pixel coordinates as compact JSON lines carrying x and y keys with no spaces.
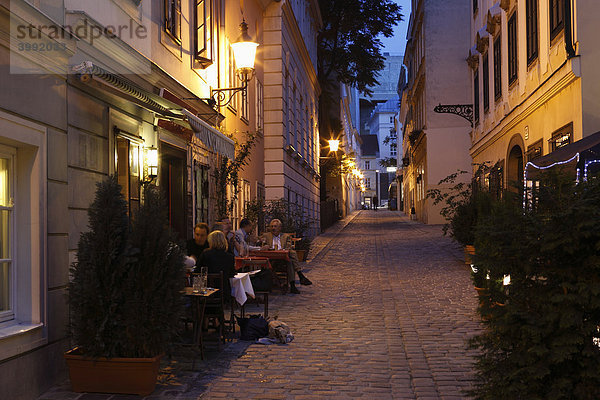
{"x":462,"y":110}
{"x":218,"y":97}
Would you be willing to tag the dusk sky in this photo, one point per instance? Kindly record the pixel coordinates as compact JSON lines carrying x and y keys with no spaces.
{"x":396,"y":44}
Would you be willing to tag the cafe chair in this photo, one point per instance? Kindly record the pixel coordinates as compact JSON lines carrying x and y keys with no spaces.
{"x":214,"y":312}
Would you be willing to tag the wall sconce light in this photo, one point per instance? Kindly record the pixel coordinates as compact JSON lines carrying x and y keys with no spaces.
{"x":151,"y":164}
{"x":244,"y":53}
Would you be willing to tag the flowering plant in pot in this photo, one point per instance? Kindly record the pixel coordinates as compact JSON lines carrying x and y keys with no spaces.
{"x":461,"y":207}
{"x":302,"y":248}
{"x":124,"y":295}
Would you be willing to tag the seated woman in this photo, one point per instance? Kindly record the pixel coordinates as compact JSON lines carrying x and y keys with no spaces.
{"x":217,"y":259}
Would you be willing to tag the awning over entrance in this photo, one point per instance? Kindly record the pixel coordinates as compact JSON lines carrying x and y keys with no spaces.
{"x":576,"y":157}
{"x":91,"y":73}
{"x":211,"y":137}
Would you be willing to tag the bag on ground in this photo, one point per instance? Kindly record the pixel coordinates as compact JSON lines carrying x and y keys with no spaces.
{"x":280,"y":331}
{"x":253,"y":327}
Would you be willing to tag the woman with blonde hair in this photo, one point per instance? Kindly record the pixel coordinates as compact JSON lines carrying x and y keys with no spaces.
{"x":217,"y":259}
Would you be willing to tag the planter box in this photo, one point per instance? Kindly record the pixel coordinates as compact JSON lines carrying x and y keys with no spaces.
{"x":112,"y":375}
{"x":469,"y":253}
{"x":301,"y":255}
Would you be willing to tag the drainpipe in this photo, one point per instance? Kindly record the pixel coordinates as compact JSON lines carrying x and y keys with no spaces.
{"x":568,"y":31}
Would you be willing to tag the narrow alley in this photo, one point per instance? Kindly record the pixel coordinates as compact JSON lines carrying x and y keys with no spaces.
{"x":387,"y":317}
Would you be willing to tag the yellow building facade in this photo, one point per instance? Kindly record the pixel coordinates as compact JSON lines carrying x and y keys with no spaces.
{"x":535,"y":87}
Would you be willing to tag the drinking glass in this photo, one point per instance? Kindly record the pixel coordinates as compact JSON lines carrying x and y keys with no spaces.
{"x":204,"y":278}
{"x":197,"y":284}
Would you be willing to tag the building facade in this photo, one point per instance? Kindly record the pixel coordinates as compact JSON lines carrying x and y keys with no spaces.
{"x":118,"y":85}
{"x":370,"y":156}
{"x":532,"y":65}
{"x":291,"y":92}
{"x":434,"y":145}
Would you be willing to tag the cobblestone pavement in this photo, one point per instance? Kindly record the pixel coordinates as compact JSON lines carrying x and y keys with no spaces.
{"x":387,"y":317}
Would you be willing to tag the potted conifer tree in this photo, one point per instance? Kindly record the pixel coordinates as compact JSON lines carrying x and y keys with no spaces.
{"x":124,"y":295}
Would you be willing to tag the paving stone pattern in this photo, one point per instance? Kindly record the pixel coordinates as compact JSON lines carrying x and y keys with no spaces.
{"x":387,"y":317}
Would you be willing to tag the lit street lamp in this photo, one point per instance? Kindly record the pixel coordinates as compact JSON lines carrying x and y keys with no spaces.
{"x":244,"y":53}
{"x":334,"y":145}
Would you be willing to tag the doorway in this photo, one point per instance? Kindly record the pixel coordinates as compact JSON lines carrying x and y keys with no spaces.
{"x":514,"y":168}
{"x":173,"y":183}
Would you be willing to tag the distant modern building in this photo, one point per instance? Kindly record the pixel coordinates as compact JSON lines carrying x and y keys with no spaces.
{"x":434,"y":145}
{"x":376,"y":117}
{"x":381,"y":123}
{"x":534,"y":71}
{"x":385,"y":90}
{"x":369,"y":165}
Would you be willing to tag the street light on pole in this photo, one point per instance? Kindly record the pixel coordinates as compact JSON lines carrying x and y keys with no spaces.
{"x":377,"y":187}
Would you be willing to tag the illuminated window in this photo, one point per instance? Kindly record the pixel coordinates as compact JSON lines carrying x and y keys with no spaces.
{"x":203,"y":37}
{"x":7,"y":235}
{"x":534,"y":151}
{"x":128,"y":169}
{"x":562,"y":137}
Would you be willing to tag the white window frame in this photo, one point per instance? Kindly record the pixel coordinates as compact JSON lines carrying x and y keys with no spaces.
{"x":9,"y":315}
{"x":26,"y":331}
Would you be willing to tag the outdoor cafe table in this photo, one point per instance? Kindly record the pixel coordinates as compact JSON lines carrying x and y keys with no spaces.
{"x":241,"y":262}
{"x":199,"y":305}
{"x":272,"y":254}
{"x":241,"y":287}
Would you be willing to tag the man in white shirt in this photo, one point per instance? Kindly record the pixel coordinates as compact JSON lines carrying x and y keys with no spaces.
{"x":282,"y":241}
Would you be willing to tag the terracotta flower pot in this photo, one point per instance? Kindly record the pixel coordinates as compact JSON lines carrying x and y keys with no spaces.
{"x":112,"y":375}
{"x":301,"y":255}
{"x":469,"y":253}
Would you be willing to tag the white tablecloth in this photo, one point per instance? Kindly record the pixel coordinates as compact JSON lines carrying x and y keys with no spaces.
{"x":241,"y":287}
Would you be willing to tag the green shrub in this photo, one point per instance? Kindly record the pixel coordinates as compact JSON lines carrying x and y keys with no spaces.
{"x":125,"y":289}
{"x":154,"y":302}
{"x":291,"y":215}
{"x":461,"y":207}
{"x":541,"y":329}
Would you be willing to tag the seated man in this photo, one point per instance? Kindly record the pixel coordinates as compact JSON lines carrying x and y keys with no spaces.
{"x":279,"y":241}
{"x":198,"y":244}
{"x":241,"y":246}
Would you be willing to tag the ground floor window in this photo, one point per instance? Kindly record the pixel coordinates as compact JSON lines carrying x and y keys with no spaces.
{"x":128,"y":148}
{"x":7,"y":234}
{"x":201,"y":193}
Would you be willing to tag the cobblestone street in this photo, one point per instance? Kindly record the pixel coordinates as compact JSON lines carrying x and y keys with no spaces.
{"x":387,"y":317}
